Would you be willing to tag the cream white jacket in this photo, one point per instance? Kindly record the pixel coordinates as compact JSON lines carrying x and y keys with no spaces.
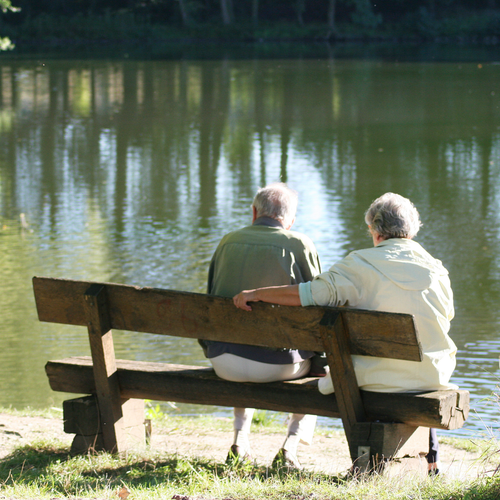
{"x":397,"y":275}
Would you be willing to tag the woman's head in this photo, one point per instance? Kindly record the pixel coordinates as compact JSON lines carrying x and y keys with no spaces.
{"x":393,"y":216}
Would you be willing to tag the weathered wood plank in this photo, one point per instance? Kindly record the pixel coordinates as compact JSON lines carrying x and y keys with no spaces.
{"x":82,"y":417}
{"x":336,"y":346}
{"x":450,"y":412}
{"x":191,"y":384}
{"x":372,"y":442}
{"x":104,"y":367}
{"x":191,"y":315}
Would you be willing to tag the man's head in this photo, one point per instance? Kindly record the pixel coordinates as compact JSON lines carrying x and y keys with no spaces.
{"x":393,"y":216}
{"x":276,"y":201}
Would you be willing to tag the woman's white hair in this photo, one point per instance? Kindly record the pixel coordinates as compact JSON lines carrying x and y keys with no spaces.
{"x":277,"y":201}
{"x":393,"y":216}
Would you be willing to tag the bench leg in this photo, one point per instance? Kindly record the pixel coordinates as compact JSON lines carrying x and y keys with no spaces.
{"x":373,"y":444}
{"x":81,"y":417}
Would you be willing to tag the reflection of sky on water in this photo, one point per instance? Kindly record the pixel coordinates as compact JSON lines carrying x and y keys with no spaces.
{"x":478,"y":371}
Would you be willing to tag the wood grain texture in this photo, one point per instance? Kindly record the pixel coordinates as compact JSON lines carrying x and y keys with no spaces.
{"x":104,"y":367}
{"x":200,"y":316}
{"x":336,"y":347}
{"x":387,"y":440}
{"x":191,"y":384}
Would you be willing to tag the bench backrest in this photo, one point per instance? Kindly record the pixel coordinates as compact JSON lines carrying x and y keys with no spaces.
{"x":200,"y":316}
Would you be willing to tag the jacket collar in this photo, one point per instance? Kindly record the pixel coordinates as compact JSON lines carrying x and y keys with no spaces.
{"x":267,"y":221}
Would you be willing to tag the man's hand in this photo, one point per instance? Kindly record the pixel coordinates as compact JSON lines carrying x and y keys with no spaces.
{"x":241,"y":300}
{"x":284,"y":295}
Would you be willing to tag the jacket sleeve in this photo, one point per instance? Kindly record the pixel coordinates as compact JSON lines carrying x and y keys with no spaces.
{"x":211,"y":274}
{"x":340,"y":285}
{"x":308,"y":262}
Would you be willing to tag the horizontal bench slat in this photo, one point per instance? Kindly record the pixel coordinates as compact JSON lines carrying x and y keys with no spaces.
{"x":201,"y":316}
{"x":190,"y":384}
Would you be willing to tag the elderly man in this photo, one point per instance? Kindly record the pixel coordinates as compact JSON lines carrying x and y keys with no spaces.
{"x":397,"y":275}
{"x":263,"y":254}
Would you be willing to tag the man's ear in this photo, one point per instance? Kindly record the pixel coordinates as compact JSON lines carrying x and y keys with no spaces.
{"x":254,"y":214}
{"x":291,"y":224}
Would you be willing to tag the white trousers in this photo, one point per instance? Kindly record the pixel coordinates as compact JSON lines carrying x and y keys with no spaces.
{"x":237,"y":369}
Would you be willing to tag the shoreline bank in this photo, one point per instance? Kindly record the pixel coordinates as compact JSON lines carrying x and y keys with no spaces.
{"x":209,"y":439}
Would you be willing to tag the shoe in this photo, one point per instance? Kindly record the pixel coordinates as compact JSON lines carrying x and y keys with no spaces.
{"x":433,"y":469}
{"x":433,"y":472}
{"x":286,"y":459}
{"x":319,"y":366}
{"x":235,"y":456}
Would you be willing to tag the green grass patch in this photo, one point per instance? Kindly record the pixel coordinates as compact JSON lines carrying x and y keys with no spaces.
{"x":469,"y":445}
{"x":51,"y":412}
{"x":46,"y":470}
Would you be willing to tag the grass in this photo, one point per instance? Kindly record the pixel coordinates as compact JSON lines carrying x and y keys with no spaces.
{"x":51,"y":412}
{"x":469,"y":445}
{"x":45,"y":470}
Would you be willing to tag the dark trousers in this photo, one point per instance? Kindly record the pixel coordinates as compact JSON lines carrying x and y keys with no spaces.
{"x":433,"y":455}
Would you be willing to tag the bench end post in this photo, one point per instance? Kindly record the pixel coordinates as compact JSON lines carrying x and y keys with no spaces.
{"x":104,"y":367}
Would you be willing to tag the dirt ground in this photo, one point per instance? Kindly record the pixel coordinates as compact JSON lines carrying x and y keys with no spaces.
{"x":327,"y":454}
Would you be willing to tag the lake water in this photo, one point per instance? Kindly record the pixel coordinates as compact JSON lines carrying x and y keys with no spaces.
{"x":131,"y":171}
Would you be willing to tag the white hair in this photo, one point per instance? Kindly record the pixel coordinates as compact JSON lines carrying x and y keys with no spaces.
{"x":277,"y":201}
{"x":393,"y":216}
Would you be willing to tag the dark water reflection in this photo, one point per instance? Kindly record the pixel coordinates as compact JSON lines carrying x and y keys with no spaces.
{"x":131,"y":171}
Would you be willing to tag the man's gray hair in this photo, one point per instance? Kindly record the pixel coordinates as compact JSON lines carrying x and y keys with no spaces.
{"x":393,"y":216}
{"x":277,"y":201}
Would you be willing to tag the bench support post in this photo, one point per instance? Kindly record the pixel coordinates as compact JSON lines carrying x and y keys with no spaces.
{"x":81,"y":417}
{"x":347,"y":392}
{"x":376,"y":442}
{"x":104,"y":366}
{"x":370,"y":443}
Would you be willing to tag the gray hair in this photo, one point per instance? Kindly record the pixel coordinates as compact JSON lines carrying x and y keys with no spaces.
{"x":277,"y":201}
{"x":393,"y":216}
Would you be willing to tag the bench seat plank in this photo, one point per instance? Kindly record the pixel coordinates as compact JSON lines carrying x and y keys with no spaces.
{"x":197,"y":385}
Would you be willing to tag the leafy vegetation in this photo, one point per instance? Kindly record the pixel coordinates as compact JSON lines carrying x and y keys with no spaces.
{"x":264,"y":418}
{"x":5,"y":42}
{"x":6,"y":6}
{"x":254,"y":20}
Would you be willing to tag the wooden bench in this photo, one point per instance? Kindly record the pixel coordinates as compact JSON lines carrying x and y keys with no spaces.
{"x":376,"y":424}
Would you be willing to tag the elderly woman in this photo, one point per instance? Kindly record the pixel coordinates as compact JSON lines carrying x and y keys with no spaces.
{"x":396,"y":275}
